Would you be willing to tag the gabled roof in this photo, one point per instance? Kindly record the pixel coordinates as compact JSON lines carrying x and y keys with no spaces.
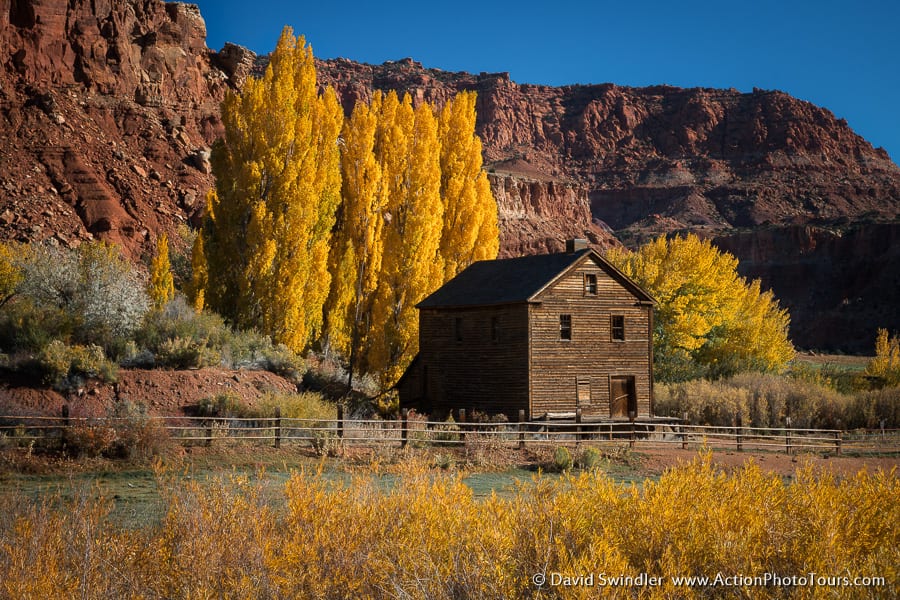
{"x":515,"y":280}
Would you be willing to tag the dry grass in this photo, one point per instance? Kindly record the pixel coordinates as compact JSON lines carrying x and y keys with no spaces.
{"x":427,"y":536}
{"x":766,"y":400}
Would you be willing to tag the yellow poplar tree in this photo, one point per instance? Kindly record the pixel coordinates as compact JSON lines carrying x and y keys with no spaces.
{"x":12,"y":258}
{"x":886,"y":363}
{"x":162,"y":284}
{"x":267,"y":235}
{"x":199,"y":275}
{"x":470,"y":230}
{"x":709,"y":320}
{"x":357,"y":243}
{"x":409,"y":151}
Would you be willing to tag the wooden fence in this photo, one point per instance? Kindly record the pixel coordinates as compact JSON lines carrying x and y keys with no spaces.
{"x":277,"y":431}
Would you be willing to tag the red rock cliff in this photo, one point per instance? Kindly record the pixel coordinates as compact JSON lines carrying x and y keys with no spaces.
{"x":751,"y":170}
{"x":108,"y":109}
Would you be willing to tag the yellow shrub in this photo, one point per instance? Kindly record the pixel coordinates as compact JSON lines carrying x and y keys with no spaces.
{"x":424,"y":535}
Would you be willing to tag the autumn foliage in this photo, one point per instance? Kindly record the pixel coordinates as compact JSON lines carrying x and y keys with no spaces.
{"x":162,"y":285}
{"x":268,"y":227}
{"x":329,"y":231}
{"x":426,"y":535}
{"x":886,"y":364}
{"x":709,"y":321}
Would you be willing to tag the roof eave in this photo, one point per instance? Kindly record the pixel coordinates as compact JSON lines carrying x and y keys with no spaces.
{"x":485,"y":304}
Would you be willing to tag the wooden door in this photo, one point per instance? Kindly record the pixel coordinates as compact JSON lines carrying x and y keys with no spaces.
{"x":583,"y":392}
{"x":622,"y":398}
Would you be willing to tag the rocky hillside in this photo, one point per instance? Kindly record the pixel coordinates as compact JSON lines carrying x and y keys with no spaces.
{"x":108,"y":109}
{"x":806,"y":204}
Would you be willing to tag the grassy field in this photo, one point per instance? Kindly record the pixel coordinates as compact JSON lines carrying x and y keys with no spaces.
{"x":134,"y":489}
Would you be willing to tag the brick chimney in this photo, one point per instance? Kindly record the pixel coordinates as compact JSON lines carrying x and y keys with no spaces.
{"x":576,"y":244}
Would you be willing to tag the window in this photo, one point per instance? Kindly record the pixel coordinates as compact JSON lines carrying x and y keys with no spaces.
{"x":590,"y":284}
{"x":457,"y":328}
{"x":617,"y":327}
{"x":565,"y":327}
{"x":495,"y":329}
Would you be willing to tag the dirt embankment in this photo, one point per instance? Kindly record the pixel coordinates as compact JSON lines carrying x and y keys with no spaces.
{"x":163,"y":392}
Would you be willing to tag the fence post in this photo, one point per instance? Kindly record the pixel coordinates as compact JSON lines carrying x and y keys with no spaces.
{"x":577,"y":426}
{"x":837,"y":442}
{"x":521,"y":429}
{"x":340,"y":420}
{"x":209,"y":432}
{"x":684,"y":432}
{"x":631,"y":416}
{"x":404,"y":422}
{"x":278,"y":427}
{"x":462,"y":425}
{"x":740,"y":432}
{"x":65,"y":421}
{"x":787,"y":435}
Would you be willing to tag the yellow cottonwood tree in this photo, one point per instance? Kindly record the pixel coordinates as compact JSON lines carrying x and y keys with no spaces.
{"x":470,"y":230}
{"x":12,"y":258}
{"x":267,"y":235}
{"x":886,"y":364}
{"x":357,"y":244}
{"x":162,"y":284}
{"x":409,"y":151}
{"x":199,"y":275}
{"x":709,"y":320}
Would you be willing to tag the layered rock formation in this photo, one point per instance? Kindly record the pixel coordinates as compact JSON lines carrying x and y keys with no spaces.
{"x":763,"y":174}
{"x":108,"y":109}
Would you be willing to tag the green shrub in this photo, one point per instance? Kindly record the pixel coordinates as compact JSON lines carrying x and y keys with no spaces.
{"x":447,"y":432}
{"x":315,"y":412}
{"x":63,"y":365}
{"x":590,"y":458}
{"x":306,"y":405}
{"x":224,"y":406}
{"x":27,"y":327}
{"x":840,"y":379}
{"x":177,"y":336}
{"x":183,"y":353}
{"x":443,"y":461}
{"x":562,"y":459}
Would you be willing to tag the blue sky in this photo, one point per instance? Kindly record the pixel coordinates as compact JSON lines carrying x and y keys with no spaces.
{"x":842,"y":55}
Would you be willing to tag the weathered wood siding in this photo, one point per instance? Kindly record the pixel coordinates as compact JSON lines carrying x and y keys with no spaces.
{"x":557,"y":366}
{"x":476,"y":372}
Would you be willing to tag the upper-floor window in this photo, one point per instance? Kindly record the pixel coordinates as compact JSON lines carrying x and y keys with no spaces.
{"x":565,"y":327}
{"x":590,"y":284}
{"x":617,"y":327}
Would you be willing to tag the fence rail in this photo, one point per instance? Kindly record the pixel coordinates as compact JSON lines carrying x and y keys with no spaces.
{"x":277,"y":431}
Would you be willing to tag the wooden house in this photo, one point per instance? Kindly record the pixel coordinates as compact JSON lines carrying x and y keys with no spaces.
{"x":545,"y":334}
